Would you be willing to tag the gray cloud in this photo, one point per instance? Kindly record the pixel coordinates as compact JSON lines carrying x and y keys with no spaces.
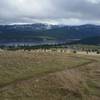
{"x":50,"y":11}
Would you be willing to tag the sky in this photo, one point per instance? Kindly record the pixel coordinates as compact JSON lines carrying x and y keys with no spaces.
{"x":67,"y":12}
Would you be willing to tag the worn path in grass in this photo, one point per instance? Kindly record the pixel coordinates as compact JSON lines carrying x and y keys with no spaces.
{"x":78,"y":82}
{"x":87,"y":62}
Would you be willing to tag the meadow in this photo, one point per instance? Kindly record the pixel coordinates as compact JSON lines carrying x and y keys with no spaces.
{"x":29,"y":75}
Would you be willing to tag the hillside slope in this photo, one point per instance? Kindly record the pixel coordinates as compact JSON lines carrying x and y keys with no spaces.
{"x":41,"y":32}
{"x":90,"y":41}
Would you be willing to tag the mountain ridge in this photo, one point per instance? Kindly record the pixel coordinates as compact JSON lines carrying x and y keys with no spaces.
{"x":44,"y":32}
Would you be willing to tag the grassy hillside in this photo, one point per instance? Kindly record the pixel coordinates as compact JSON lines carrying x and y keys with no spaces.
{"x":48,"y":76}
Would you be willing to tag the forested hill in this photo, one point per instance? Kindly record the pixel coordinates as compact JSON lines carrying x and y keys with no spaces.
{"x":43,"y":32}
{"x":89,"y":41}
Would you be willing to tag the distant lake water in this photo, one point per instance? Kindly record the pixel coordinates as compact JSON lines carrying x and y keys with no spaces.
{"x":30,"y":43}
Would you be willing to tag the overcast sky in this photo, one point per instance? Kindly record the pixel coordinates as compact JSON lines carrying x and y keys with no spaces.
{"x":69,"y":12}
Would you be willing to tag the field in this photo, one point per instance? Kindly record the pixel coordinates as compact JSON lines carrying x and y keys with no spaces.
{"x":28,"y":75}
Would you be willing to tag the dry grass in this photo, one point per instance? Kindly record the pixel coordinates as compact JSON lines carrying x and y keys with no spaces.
{"x":48,"y":76}
{"x":73,"y":81}
{"x":22,"y":65}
